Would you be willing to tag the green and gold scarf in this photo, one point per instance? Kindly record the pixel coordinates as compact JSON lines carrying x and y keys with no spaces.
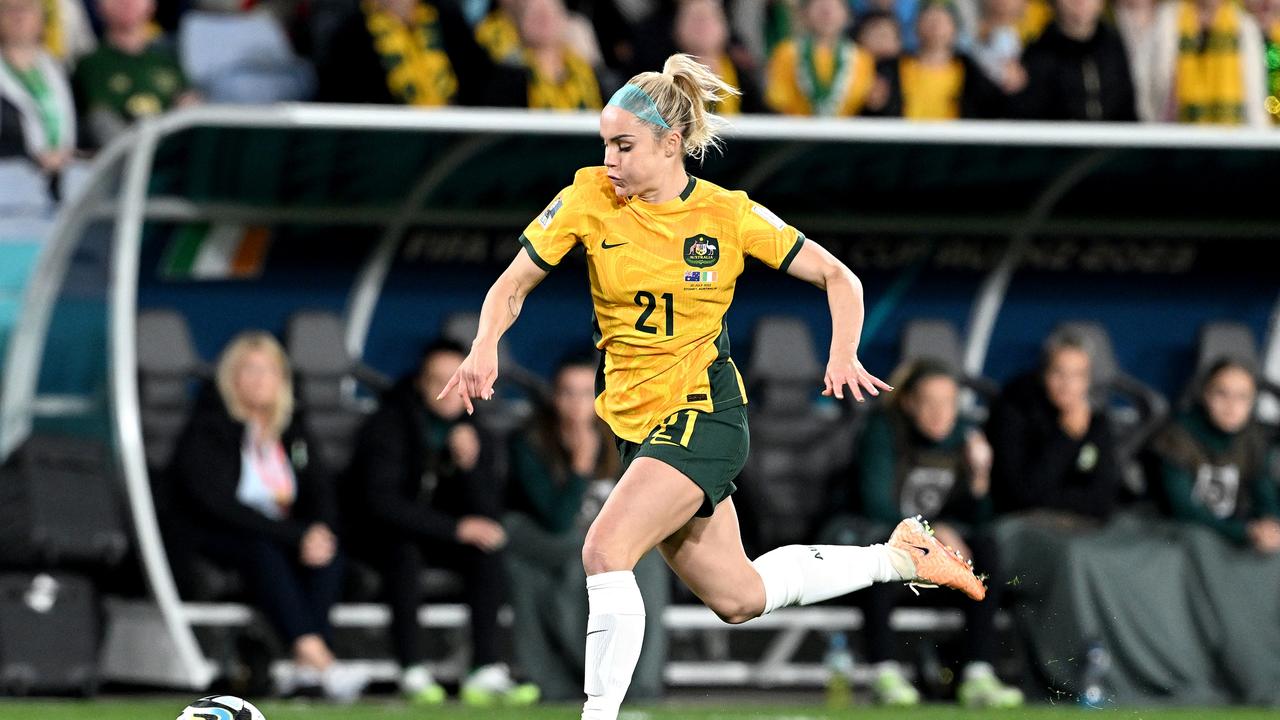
{"x":418,"y":69}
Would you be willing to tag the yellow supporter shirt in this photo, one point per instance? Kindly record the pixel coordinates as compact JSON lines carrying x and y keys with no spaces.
{"x":498,"y":35}
{"x":662,"y":278}
{"x":731,"y":105}
{"x":576,"y":89}
{"x":811,"y":79}
{"x":931,"y":92}
{"x":1035,"y":19}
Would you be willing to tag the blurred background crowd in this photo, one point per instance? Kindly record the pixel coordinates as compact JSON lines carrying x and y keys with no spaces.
{"x":76,"y":72}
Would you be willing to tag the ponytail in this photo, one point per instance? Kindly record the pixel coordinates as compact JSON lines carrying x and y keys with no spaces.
{"x":681,"y":94}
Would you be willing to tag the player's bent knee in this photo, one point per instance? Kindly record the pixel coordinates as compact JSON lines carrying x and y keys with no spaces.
{"x":598,"y":557}
{"x":734,"y":611}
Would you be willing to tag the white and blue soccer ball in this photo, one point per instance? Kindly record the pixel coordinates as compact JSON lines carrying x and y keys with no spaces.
{"x":221,"y":707}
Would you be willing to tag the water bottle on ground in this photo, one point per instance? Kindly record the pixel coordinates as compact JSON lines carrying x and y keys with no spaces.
{"x":839,"y":664}
{"x":1096,"y":665}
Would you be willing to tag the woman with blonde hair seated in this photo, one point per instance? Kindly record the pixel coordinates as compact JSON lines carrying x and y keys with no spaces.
{"x":251,"y":495}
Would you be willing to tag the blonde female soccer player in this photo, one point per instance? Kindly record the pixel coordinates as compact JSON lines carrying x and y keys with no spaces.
{"x":664,"y":251}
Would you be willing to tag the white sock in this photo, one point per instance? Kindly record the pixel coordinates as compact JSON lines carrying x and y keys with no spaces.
{"x":806,"y":574}
{"x":615,"y":631}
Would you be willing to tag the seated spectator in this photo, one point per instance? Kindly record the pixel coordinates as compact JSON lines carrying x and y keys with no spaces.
{"x":416,"y":498}
{"x":132,"y":75}
{"x":878,"y":33}
{"x":252,"y":496}
{"x":1053,"y":450}
{"x":1214,"y":462}
{"x":821,"y":73}
{"x":549,"y":75}
{"x":1136,"y":23}
{"x":997,"y":47}
{"x":34,"y":94}
{"x":916,"y":457}
{"x":1209,"y":64}
{"x":702,"y":30}
{"x":938,"y":83}
{"x":405,"y":52}
{"x":1077,"y":69}
{"x":68,"y":34}
{"x":562,"y":467}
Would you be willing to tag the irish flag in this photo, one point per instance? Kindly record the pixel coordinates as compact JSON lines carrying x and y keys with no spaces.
{"x":222,"y":251}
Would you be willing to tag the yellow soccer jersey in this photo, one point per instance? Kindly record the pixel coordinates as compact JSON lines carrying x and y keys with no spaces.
{"x":662,"y":279}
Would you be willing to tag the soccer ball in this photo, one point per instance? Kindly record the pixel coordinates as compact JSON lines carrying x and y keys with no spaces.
{"x":221,"y":707}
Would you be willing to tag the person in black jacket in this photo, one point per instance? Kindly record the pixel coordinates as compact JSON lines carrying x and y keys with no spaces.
{"x":251,"y":495}
{"x":1052,"y":449}
{"x":417,"y":497}
{"x":405,"y":52}
{"x":1078,"y":69}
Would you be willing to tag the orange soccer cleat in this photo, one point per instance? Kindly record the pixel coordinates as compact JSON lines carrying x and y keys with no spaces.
{"x":936,"y":564}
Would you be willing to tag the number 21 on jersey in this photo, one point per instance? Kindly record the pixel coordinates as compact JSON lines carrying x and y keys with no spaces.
{"x":649,"y":303}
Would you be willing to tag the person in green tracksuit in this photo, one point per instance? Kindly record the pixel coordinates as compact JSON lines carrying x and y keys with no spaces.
{"x":562,"y":467}
{"x":917,"y":456}
{"x":1214,"y":462}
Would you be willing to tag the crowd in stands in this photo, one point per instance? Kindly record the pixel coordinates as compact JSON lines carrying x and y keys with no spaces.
{"x":428,"y":486}
{"x":77,"y":72}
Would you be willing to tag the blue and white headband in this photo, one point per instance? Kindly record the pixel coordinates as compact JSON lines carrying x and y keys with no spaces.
{"x":636,"y":101}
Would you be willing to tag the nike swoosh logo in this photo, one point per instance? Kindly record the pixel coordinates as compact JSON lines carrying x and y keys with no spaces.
{"x":593,"y":632}
{"x":604,"y":245}
{"x":921,"y":548}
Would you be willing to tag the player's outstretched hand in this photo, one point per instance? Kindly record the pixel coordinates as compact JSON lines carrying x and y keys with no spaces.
{"x":848,"y":371}
{"x":475,"y":377}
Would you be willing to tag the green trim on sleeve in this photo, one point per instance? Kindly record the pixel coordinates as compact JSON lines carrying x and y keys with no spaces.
{"x":791,"y":255}
{"x":533,"y":254}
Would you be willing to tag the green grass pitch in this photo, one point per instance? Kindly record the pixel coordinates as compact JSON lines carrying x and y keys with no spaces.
{"x":160,"y":709}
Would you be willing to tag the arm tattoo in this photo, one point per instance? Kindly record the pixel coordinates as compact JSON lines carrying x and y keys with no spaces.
{"x":513,"y":306}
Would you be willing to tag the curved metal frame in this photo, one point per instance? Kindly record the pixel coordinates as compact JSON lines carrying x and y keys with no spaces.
{"x":990,"y":298}
{"x":22,"y":364}
{"x":1268,"y":405}
{"x":367,"y":288}
{"x":21,"y":371}
{"x":123,"y":378}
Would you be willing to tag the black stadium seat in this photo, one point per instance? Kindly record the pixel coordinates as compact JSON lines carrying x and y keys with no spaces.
{"x":169,"y":373}
{"x":506,"y":411}
{"x":938,"y":340}
{"x":797,"y":444}
{"x":326,"y":378}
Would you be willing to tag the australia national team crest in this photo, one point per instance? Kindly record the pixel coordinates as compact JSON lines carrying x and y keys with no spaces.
{"x":701,"y":250}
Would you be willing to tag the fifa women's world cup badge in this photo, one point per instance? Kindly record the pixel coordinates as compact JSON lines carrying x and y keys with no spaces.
{"x":701,"y":250}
